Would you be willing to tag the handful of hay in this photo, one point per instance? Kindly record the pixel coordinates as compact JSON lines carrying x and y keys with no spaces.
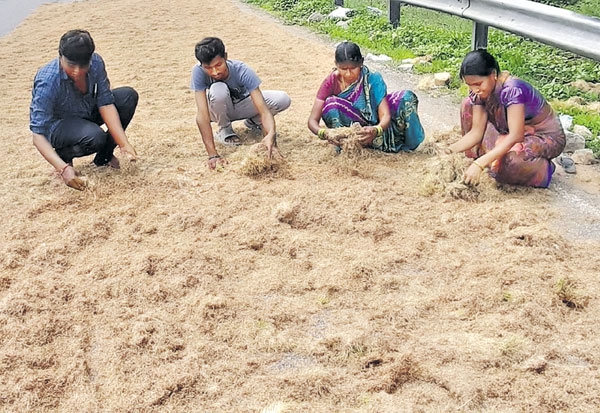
{"x":446,"y":176}
{"x":446,"y":172}
{"x":257,"y":163}
{"x":350,"y":140}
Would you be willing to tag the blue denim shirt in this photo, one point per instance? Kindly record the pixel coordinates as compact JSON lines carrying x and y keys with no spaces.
{"x":55,"y":97}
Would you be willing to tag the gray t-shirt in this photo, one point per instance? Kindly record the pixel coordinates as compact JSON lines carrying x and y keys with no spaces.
{"x":241,"y":81}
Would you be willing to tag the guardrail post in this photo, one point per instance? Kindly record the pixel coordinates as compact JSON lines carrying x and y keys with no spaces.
{"x":394,"y":12}
{"x":480,"y":36}
{"x":339,"y":3}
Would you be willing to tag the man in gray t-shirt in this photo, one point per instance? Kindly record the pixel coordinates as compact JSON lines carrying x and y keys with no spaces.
{"x":228,"y":90}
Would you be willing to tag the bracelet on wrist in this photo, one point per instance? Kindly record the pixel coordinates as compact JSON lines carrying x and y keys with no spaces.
{"x":210,"y":158}
{"x":62,"y":171}
{"x":478,"y":165}
{"x":321,"y":133}
{"x":379,"y":130}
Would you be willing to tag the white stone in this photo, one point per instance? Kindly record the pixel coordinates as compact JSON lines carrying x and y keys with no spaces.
{"x":566,"y":121}
{"x":583,"y":157}
{"x":340,"y":13}
{"x":406,"y":67}
{"x":343,"y":24}
{"x":420,"y":60}
{"x":426,"y":83}
{"x":378,"y":58}
{"x":583,"y":131}
{"x":441,"y":79}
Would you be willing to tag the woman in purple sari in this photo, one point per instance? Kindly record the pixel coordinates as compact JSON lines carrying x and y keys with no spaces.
{"x":353,"y":94}
{"x":508,"y":127}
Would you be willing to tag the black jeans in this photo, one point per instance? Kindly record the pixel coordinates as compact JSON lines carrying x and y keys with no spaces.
{"x":73,"y":138}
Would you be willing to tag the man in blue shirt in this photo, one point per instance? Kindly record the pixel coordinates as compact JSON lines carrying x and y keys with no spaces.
{"x":71,"y":99}
{"x":228,"y":90}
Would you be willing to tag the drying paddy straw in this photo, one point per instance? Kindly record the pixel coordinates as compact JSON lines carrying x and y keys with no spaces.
{"x":301,"y":284}
{"x":445,"y":172}
{"x":351,"y":148}
{"x":256,"y":163}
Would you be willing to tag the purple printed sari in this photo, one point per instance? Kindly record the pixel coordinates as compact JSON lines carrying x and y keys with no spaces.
{"x":528,"y":162}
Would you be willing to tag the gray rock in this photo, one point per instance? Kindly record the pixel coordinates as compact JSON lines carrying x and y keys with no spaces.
{"x":574,"y":142}
{"x":316,"y":17}
{"x":374,"y":10}
{"x":583,"y":131}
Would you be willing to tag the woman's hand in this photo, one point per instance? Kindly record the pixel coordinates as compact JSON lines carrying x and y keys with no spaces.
{"x":333,"y":138}
{"x":367,"y":135}
{"x":444,"y":150}
{"x":473,"y":174}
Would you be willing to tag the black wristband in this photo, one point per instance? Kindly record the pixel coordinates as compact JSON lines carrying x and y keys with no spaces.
{"x":210,"y":158}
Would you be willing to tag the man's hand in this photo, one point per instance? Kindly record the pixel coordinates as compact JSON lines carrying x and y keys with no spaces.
{"x":216,"y":161}
{"x":272,"y":149}
{"x":129,"y":151}
{"x":70,"y":178}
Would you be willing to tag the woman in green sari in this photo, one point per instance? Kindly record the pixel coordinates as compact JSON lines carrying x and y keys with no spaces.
{"x":353,"y":94}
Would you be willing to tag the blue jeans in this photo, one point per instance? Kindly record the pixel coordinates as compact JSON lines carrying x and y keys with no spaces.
{"x":73,"y":138}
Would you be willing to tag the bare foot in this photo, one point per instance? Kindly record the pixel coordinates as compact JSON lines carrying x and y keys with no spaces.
{"x":114,"y":163}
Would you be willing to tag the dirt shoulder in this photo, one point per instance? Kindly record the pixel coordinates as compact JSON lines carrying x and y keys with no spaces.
{"x":577,"y":195}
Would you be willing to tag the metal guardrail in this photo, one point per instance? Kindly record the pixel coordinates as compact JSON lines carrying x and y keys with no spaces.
{"x":554,"y":26}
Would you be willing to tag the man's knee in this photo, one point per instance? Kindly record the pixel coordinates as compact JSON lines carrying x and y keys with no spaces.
{"x":218,"y":92}
{"x":126,"y":97}
{"x":93,"y":140}
{"x":277,"y":101}
{"x":283,"y":102}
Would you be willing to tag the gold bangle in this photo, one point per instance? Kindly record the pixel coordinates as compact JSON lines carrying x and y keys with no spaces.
{"x":477,"y":163}
{"x":321,"y":133}
{"x":379,"y":130}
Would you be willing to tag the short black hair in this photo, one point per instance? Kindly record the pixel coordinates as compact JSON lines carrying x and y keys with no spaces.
{"x":478,"y":63}
{"x":77,"y":46}
{"x":209,"y":48}
{"x":348,"y":52}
